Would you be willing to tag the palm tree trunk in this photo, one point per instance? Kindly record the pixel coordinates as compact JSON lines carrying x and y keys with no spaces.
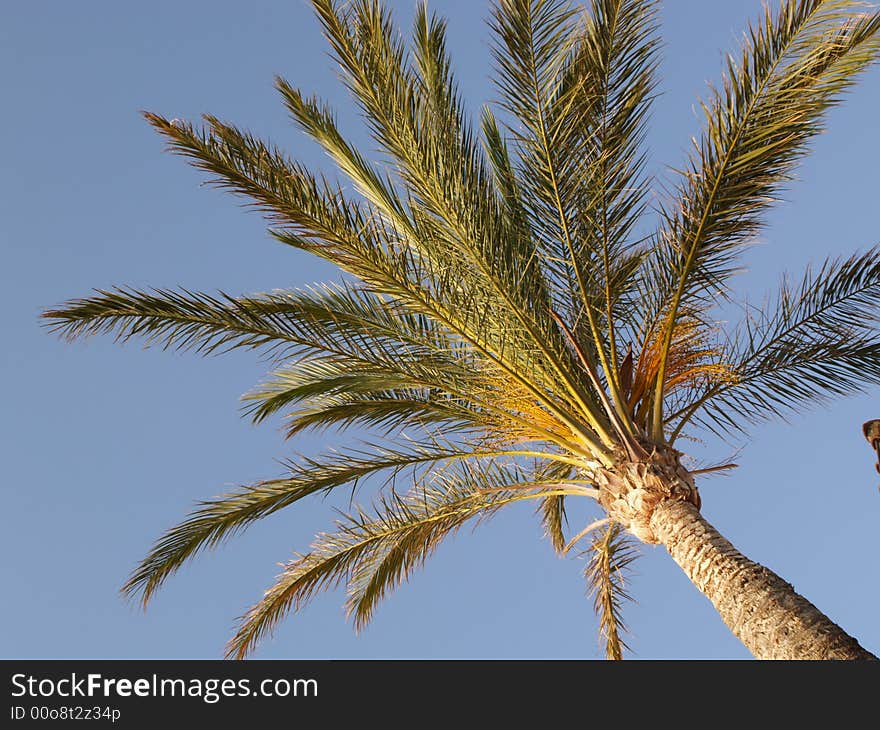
{"x":762,"y":610}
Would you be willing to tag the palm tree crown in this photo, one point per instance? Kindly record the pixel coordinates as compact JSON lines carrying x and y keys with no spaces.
{"x":519,"y":319}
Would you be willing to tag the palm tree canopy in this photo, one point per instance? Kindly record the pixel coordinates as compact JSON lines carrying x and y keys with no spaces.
{"x":514,"y":299}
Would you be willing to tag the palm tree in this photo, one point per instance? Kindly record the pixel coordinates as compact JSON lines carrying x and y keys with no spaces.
{"x":515,"y":301}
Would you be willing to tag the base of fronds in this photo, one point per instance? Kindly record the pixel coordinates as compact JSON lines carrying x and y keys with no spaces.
{"x":631,"y":490}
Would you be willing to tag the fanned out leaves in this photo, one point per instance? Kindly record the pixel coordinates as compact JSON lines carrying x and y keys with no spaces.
{"x":793,"y":67}
{"x":613,"y":552}
{"x":579,"y":93}
{"x":338,"y":319}
{"x":350,"y":327}
{"x":552,"y":509}
{"x":373,"y":553}
{"x":818,"y":339}
{"x":413,"y":386}
{"x":462,"y":233}
{"x":217,"y":519}
{"x":370,"y":346}
{"x":506,"y":305}
{"x":618,"y":55}
{"x":319,"y":220}
{"x":315,"y":216}
{"x":392,"y":411}
{"x":534,"y":39}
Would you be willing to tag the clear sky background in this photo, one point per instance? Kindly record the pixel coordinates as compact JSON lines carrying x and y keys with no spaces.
{"x":103,"y":446}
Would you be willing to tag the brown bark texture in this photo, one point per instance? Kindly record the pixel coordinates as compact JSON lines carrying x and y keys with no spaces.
{"x":759,"y":607}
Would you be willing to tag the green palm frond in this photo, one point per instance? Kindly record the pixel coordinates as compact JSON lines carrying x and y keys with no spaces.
{"x":330,"y":318}
{"x":365,"y":340}
{"x":552,"y":509}
{"x":579,"y":92}
{"x":793,"y":68}
{"x":314,"y":214}
{"x":816,"y":339}
{"x":181,"y":320}
{"x":498,"y":152}
{"x":330,"y":329}
{"x":534,"y":41}
{"x":372,"y":371}
{"x":393,"y":411}
{"x":462,"y":232}
{"x":371,"y":554}
{"x":344,"y":233}
{"x":418,"y":389}
{"x":617,"y":61}
{"x":217,"y":519}
{"x":613,"y":553}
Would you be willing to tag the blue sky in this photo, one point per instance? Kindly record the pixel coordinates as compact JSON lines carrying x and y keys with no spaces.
{"x":105,"y":446}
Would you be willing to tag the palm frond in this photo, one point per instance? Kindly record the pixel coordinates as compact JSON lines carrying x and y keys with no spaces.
{"x":552,"y":509}
{"x":315,"y":216}
{"x":613,"y":553}
{"x":534,"y":39}
{"x":462,"y":231}
{"x":217,"y":519}
{"x":341,"y":328}
{"x":329,"y":318}
{"x":617,"y":61}
{"x":579,"y":92}
{"x":324,"y":223}
{"x":419,"y":381}
{"x":373,"y":553}
{"x":793,"y":68}
{"x":316,"y":119}
{"x":393,"y":411}
{"x":416,"y":386}
{"x":553,"y":518}
{"x":815,"y":339}
{"x":499,"y":157}
{"x":333,"y":330}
